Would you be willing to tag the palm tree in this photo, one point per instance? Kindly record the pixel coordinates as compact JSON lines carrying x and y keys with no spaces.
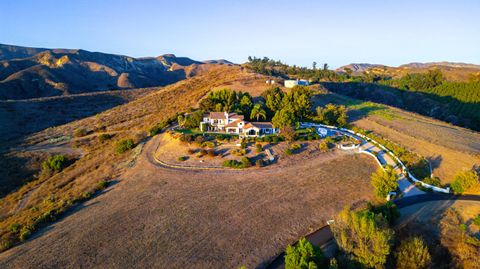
{"x":258,"y":112}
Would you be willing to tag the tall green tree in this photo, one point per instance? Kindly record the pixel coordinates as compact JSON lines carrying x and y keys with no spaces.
{"x":413,"y":254}
{"x":363,"y":235}
{"x":258,"y":112}
{"x":332,"y":115}
{"x":384,"y":181}
{"x":273,"y":99}
{"x":284,"y":117}
{"x":303,"y":255}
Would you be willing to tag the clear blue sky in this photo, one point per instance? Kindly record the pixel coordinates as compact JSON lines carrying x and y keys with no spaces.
{"x":297,"y":32}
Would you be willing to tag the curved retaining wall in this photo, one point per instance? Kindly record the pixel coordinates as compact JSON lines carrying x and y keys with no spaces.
{"x":404,"y":168}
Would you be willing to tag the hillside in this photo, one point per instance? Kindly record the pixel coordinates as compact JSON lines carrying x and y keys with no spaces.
{"x":33,"y":73}
{"x":452,"y":71}
{"x":153,"y":207}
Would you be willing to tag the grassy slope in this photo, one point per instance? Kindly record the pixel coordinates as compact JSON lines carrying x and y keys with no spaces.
{"x":157,"y":217}
{"x":449,"y":148}
{"x":99,"y":162}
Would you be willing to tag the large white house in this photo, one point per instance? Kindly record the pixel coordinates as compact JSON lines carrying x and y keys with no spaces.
{"x":290,"y":83}
{"x":232,"y":123}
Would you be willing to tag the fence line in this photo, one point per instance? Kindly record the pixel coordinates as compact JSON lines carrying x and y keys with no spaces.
{"x":395,"y":158}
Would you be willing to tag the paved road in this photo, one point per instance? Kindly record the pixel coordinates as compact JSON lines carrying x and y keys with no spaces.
{"x":407,"y":188}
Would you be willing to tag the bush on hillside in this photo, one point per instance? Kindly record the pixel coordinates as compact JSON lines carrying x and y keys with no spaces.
{"x":104,"y":137}
{"x":55,"y":164}
{"x":464,"y":181}
{"x":123,"y":146}
{"x":80,"y":132}
{"x":244,"y":163}
{"x":294,"y":147}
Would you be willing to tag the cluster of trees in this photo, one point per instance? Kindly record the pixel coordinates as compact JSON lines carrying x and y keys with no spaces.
{"x":367,"y":241}
{"x":228,"y":100}
{"x":418,"y":81}
{"x":190,"y":120}
{"x":286,"y":109}
{"x":332,"y":115}
{"x":272,"y":67}
{"x":424,"y":93}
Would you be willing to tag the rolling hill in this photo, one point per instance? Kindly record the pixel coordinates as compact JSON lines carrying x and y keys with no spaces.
{"x":35,"y":72}
{"x":452,"y":71}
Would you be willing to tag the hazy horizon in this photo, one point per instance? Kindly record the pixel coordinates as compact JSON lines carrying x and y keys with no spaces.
{"x":334,"y":33}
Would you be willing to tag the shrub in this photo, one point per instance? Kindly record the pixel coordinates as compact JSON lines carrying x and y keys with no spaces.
{"x":324,"y":146}
{"x":435,"y":181}
{"x":288,"y":152}
{"x":87,"y":195}
{"x":476,"y":220}
{"x":246,"y":162}
{"x":275,"y":139}
{"x":199,"y":139}
{"x":182,"y":158}
{"x":208,"y":144}
{"x":388,"y":210}
{"x":303,"y":255}
{"x":211,"y":153}
{"x":15,"y":227}
{"x":80,"y":132}
{"x":295,"y":147}
{"x":259,"y":163}
{"x":55,"y":163}
{"x":243,"y":144}
{"x":238,"y":152}
{"x":159,"y":127}
{"x":412,"y":253}
{"x":104,"y":137}
{"x":124,"y":145}
{"x":464,"y":180}
{"x":102,"y":185}
{"x":259,"y":148}
{"x":186,"y":138}
{"x":267,"y":139}
{"x":384,"y":181}
{"x":25,"y":233}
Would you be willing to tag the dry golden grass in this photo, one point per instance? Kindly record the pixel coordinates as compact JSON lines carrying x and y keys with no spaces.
{"x":157,"y":217}
{"x":100,"y":162}
{"x":449,"y":148}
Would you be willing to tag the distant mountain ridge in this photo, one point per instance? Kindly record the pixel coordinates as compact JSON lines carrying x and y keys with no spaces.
{"x":452,"y":71}
{"x":38,"y":72}
{"x":360,"y":67}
